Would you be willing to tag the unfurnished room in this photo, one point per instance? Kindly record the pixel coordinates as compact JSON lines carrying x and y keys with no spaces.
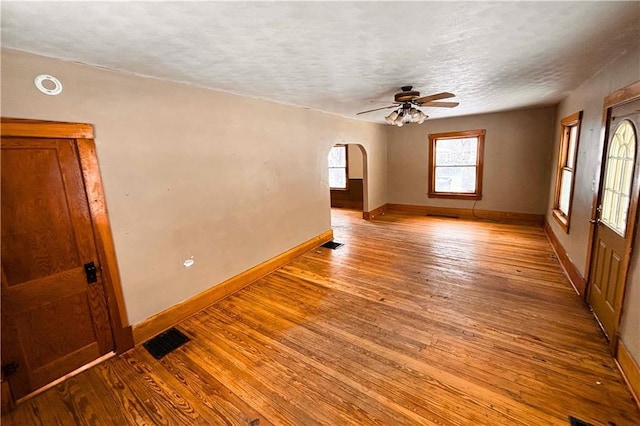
{"x":320,"y":213}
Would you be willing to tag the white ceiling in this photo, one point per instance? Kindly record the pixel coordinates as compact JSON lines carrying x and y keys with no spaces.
{"x":341,"y":57}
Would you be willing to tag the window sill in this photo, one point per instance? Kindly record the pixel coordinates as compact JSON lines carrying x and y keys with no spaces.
{"x":455,"y":195}
{"x":562,"y":220}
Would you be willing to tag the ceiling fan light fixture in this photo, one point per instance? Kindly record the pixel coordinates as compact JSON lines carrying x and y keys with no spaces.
{"x":407,"y":102}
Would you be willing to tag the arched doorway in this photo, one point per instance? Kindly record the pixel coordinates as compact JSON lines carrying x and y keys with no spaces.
{"x":348,"y":176}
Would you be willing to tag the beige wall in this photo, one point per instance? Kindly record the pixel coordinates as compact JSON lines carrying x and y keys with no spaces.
{"x":229,"y":180}
{"x":516,"y":160}
{"x":630,"y":326}
{"x":588,"y":98}
{"x":355,"y":162}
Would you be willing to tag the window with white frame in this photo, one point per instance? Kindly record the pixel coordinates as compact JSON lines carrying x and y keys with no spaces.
{"x":338,"y":167}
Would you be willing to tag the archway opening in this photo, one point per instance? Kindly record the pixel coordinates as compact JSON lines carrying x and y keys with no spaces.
{"x":348,"y":185}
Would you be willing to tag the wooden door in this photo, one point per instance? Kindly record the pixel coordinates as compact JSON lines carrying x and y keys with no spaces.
{"x":53,"y":320}
{"x":616,"y":216}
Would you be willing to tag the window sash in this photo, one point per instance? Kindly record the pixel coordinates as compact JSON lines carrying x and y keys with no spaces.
{"x":456,"y":164}
{"x":338,"y":160}
{"x":564,"y":198}
{"x":566,"y":170}
{"x":456,"y":152}
{"x":338,"y":177}
{"x":455,"y":179}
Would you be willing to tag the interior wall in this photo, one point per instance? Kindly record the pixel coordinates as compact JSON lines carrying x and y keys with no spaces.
{"x":355,"y":162}
{"x":229,"y":180}
{"x":589,"y":98}
{"x":517,"y":155}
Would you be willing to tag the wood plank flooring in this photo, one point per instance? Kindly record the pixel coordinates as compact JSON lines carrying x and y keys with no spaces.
{"x":414,"y":321}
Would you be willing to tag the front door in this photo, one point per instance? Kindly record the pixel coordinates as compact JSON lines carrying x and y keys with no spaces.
{"x":617,"y":216}
{"x":54,"y":313}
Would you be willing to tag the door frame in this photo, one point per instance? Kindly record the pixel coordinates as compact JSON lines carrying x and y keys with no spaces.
{"x":82,"y":134}
{"x":620,"y":97}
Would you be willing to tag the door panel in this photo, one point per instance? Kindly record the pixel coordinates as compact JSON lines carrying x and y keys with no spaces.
{"x":615,"y":226}
{"x":614,"y":276}
{"x":28,"y":235}
{"x":53,"y":321}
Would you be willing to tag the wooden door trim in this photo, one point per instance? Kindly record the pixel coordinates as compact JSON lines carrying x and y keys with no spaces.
{"x":619,"y":97}
{"x":122,"y":332}
{"x":20,"y":127}
{"x":85,"y":145}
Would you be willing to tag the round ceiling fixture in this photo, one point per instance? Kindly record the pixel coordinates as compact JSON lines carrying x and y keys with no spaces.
{"x":48,"y":84}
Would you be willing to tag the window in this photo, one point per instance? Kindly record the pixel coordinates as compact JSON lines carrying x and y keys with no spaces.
{"x":338,"y":167}
{"x":618,"y":177}
{"x":455,"y":159}
{"x":566,"y":174}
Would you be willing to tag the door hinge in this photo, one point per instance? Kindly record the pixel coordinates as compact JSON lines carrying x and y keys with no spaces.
{"x":9,"y":368}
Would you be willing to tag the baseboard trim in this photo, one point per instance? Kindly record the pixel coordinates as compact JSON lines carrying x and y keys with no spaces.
{"x":375,"y":212}
{"x":575,"y":278}
{"x":629,"y":369}
{"x":173,"y":315}
{"x":347,"y":204}
{"x":508,"y":217}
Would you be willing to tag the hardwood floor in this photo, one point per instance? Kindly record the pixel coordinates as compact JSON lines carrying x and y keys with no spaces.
{"x":415,"y":320}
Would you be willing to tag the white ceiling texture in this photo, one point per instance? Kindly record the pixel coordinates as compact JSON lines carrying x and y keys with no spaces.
{"x":340,"y":57}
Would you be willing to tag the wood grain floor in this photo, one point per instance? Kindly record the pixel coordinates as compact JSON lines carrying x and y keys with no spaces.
{"x":415,"y":321}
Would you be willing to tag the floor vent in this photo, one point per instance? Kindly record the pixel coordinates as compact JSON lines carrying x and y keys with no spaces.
{"x":577,"y":422}
{"x":332,"y":245}
{"x":165,"y":342}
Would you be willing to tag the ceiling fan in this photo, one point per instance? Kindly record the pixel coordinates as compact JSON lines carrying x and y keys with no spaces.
{"x":406,"y":102}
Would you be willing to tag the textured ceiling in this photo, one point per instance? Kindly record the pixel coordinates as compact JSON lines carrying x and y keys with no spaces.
{"x":341,"y":57}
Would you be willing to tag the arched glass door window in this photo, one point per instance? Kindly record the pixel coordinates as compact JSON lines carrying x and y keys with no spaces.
{"x":618,"y":178}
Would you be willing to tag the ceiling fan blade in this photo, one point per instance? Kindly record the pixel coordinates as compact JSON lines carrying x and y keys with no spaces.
{"x":441,"y":104}
{"x":424,"y":99}
{"x":377,"y":109}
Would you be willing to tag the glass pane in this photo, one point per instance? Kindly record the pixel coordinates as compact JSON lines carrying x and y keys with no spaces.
{"x":456,"y":179}
{"x":571,"y":154}
{"x":607,"y":201}
{"x":627,"y":177}
{"x":456,"y":152}
{"x":616,"y":173}
{"x":618,"y":177}
{"x":565,"y":191}
{"x":623,"y":209}
{"x":338,"y":178}
{"x":338,"y":156}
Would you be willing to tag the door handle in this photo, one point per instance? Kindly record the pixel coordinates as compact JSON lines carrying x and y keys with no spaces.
{"x":91,"y":272}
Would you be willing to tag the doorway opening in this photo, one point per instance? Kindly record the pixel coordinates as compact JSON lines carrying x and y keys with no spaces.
{"x":348,"y":177}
